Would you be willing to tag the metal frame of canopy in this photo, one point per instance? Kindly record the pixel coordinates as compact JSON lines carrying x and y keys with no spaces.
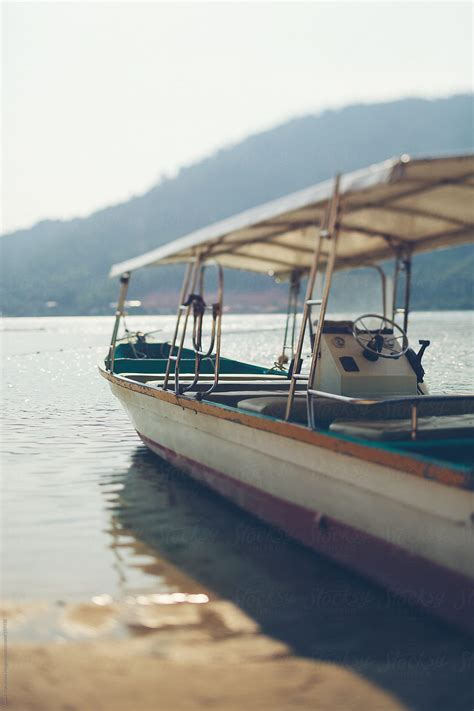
{"x":388,"y":187}
{"x":399,"y":204}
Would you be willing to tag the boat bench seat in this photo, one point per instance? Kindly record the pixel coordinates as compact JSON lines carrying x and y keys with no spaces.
{"x":444,"y":427}
{"x":275,"y":406}
{"x":326,"y":411}
{"x":232,"y":398}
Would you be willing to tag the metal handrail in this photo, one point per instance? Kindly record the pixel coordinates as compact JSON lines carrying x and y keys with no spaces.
{"x":188,"y":281}
{"x":217,"y":309}
{"x":194,"y":278}
{"x":401,"y":399}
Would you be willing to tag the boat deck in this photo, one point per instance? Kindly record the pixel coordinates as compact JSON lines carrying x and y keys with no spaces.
{"x":262,"y":393}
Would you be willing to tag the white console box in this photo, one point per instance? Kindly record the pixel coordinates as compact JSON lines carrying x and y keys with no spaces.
{"x":385,"y":377}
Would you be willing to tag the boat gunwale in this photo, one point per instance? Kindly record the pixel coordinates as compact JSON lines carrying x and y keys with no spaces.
{"x":413,"y":463}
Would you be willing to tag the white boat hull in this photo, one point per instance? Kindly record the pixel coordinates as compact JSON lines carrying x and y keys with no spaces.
{"x":409,"y":533}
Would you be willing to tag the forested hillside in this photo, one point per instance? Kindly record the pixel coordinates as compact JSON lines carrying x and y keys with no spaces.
{"x":68,"y":261}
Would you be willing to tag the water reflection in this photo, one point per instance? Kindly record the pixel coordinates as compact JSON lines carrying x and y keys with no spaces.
{"x":197,"y":542}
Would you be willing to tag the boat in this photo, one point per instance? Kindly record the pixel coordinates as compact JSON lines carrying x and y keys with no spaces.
{"x":346,"y":450}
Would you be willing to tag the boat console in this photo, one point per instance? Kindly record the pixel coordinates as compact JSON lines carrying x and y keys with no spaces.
{"x":364,"y":359}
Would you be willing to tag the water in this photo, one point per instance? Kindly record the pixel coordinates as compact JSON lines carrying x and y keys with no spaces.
{"x":86,"y":510}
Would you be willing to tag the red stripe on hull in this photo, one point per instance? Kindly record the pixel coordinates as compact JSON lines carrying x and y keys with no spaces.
{"x":441,"y":591}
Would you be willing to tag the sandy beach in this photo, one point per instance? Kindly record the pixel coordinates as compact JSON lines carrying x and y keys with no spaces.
{"x":181,"y":658}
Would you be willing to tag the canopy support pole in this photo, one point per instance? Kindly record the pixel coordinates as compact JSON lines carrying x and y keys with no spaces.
{"x":407,"y":270}
{"x":124,"y":282}
{"x":189,"y":275}
{"x":296,"y":363}
{"x":324,"y":232}
{"x":333,"y":234}
{"x":396,"y":274}
{"x":383,"y":280}
{"x":402,"y":264}
{"x":291,"y":313}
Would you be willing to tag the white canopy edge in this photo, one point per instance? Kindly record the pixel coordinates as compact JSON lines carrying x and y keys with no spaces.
{"x":413,"y":205}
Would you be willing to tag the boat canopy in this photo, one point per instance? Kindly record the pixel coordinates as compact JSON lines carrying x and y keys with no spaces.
{"x":399,"y":207}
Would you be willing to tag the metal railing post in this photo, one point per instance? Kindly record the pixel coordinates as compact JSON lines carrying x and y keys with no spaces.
{"x":383,"y":280}
{"x":188,"y":306}
{"x":217,"y":310}
{"x":296,"y":361}
{"x":326,"y":230}
{"x":291,"y":314}
{"x":333,"y":230}
{"x":184,"y":290}
{"x":396,"y":274}
{"x":124,"y":282}
{"x":215,"y":337}
{"x":407,"y":269}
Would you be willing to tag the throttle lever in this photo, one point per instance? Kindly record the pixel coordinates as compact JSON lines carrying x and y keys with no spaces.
{"x":424,"y":345}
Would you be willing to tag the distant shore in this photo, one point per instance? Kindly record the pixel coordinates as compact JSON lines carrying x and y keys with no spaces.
{"x":235,"y":312}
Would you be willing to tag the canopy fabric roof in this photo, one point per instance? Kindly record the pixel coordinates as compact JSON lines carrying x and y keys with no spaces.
{"x":400,"y":204}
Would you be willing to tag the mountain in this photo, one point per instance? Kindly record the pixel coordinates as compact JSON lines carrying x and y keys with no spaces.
{"x":67,"y":261}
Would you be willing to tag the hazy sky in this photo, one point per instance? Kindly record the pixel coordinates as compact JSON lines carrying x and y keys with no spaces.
{"x":100,"y":99}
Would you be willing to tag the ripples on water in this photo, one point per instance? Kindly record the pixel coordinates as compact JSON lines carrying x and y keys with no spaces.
{"x":87,"y":510}
{"x":68,"y":446}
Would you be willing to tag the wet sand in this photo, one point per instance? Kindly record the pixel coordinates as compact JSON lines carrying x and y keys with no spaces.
{"x":181,"y":657}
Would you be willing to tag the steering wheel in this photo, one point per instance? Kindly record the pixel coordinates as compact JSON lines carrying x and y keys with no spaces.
{"x":376,"y":343}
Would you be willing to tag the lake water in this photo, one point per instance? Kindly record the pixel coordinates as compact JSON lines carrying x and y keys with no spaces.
{"x":86,"y":510}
